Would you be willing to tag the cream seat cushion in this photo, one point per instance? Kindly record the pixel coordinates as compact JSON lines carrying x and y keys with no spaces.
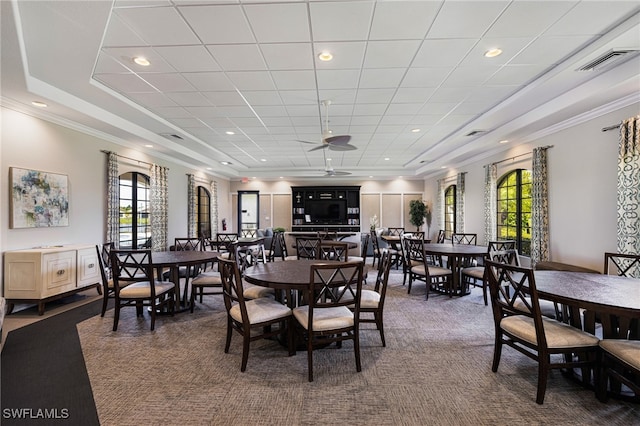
{"x":324,"y":318}
{"x":142,"y":289}
{"x":476,"y":272}
{"x":558,"y":335}
{"x":208,"y":278}
{"x":434,"y":271}
{"x":261,"y":310}
{"x":625,"y":350}
{"x":252,"y":291}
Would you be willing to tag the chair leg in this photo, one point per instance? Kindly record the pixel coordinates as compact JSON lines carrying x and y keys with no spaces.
{"x":356,"y":348}
{"x":310,"y":356}
{"x":378,"y":319}
{"x":484,"y":292}
{"x":192,"y":299}
{"x":154,"y":308}
{"x":245,"y":351}
{"x":543,"y":374}
{"x":105,"y":299}
{"x":116,"y":316}
{"x":227,"y":344}
{"x":497,"y":352}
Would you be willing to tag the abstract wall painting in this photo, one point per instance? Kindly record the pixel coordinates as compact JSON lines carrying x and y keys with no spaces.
{"x":38,"y":199}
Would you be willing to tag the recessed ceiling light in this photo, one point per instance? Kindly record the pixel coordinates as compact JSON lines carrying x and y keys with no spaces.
{"x":263,"y":160}
{"x":39,"y":104}
{"x":148,"y":145}
{"x":281,"y":177}
{"x":325,"y":56}
{"x":209,"y":168}
{"x":415,"y":130}
{"x":504,"y":141}
{"x":230,"y":132}
{"x":370,"y":177}
{"x":142,"y":61}
{"x":387,"y":159}
{"x":443,"y":167}
{"x":225,"y":163}
{"x":492,"y":53}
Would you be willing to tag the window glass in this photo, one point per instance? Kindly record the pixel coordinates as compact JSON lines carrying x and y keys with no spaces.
{"x":514,"y":209}
{"x":449,"y":211}
{"x":135,"y":223}
{"x":203,"y":213}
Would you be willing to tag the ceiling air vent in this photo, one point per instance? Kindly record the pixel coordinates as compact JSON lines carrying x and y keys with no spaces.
{"x":476,"y":132}
{"x":171,"y":136}
{"x":613,"y":56}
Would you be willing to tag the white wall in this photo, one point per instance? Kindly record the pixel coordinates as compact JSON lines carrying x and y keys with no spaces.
{"x":31,"y":143}
{"x":582,"y":169}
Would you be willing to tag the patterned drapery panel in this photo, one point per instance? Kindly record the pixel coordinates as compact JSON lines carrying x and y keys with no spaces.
{"x":490,"y":205}
{"x":214,"y":208}
{"x":539,"y":207}
{"x":113,"y":200}
{"x":159,"y":207}
{"x":628,"y":204}
{"x":440,"y":204}
{"x":192,"y":223}
{"x":460,"y":203}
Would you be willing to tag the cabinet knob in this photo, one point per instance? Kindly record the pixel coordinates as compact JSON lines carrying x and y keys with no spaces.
{"x":92,"y":265}
{"x":60,"y":272}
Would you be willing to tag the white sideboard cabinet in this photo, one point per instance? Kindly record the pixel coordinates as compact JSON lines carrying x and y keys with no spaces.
{"x":42,"y":274}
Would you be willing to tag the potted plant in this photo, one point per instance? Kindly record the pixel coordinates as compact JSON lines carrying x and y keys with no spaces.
{"x":417,"y":213}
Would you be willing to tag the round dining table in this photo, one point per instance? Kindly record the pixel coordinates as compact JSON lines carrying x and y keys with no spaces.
{"x":174,"y":260}
{"x":455,"y":254}
{"x":614,"y":300}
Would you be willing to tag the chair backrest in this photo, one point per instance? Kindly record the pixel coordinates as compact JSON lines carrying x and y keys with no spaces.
{"x":414,"y":250}
{"x":509,"y":256}
{"x":272,"y":246}
{"x":382,"y":279}
{"x":225,"y":241}
{"x":334,"y":250}
{"x":334,"y":284}
{"x":374,"y":241}
{"x":246,"y":256}
{"x":513,"y":292}
{"x":232,"y":289}
{"x":625,"y":265}
{"x":193,"y":244}
{"x":104,"y":262}
{"x":364,"y":244}
{"x":130,"y":266}
{"x":395,"y":231}
{"x":441,"y":236}
{"x":502,"y":245}
{"x":463,"y":238}
{"x":283,"y":244}
{"x":417,"y":234}
{"x":249,"y":233}
{"x":308,"y":247}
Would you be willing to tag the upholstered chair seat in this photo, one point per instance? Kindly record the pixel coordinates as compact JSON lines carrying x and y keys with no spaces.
{"x":325,"y":319}
{"x":142,"y":289}
{"x":261,"y":310}
{"x":627,"y":351}
{"x":557,"y":334}
{"x":252,"y":291}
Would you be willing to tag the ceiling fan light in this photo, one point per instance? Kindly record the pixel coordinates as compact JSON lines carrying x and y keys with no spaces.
{"x":492,"y":53}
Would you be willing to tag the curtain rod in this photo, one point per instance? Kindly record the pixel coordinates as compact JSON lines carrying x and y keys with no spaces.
{"x":520,"y":155}
{"x":198,"y":178}
{"x":128,"y":158}
{"x":606,"y":129}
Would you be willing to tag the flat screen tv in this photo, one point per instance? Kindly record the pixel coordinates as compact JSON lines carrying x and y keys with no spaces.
{"x":327,"y":211}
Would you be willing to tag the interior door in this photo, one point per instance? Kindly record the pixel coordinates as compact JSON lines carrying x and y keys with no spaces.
{"x":248,"y":210}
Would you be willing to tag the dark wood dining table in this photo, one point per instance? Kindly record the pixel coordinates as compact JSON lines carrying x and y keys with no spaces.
{"x":174,"y":260}
{"x":614,"y":300}
{"x":455,"y":254}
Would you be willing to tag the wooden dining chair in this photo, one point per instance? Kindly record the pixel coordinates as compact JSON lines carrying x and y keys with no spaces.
{"x":441,"y":236}
{"x":326,"y":317}
{"x":245,"y":257}
{"x":334,"y":250}
{"x":519,"y":324}
{"x":377,"y":253}
{"x":308,"y":247}
{"x":619,"y":363}
{"x":622,"y":264}
{"x":420,"y":269}
{"x":135,"y":285}
{"x":252,"y":319}
{"x":372,"y":300}
{"x":395,"y":231}
{"x":104,"y":262}
{"x":499,"y":251}
{"x":464,"y":238}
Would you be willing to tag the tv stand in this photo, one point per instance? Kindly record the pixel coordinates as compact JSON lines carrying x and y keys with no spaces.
{"x":300,"y":195}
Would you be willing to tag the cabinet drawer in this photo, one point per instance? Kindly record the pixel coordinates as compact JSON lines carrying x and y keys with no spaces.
{"x":88,"y":272}
{"x":59,"y":272}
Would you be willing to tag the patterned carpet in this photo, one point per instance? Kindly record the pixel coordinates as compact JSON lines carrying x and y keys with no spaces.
{"x":434,"y":370}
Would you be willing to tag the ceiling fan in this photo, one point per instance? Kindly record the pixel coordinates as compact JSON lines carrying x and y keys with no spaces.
{"x":329,"y":170}
{"x":334,"y":143}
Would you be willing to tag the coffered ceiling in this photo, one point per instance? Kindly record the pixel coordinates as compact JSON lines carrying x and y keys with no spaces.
{"x":241,"y":81}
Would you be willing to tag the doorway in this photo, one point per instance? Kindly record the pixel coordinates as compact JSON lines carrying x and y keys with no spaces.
{"x":248,"y":208}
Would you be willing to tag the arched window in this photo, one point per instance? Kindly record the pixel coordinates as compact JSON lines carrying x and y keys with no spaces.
{"x":514,"y":209}
{"x":449,"y":211}
{"x":203,"y":213}
{"x":135,"y":221}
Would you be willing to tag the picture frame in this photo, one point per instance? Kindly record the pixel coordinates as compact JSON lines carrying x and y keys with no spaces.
{"x":38,"y":199}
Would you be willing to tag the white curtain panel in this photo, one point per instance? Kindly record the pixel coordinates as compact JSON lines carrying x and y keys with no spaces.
{"x":490,"y":204}
{"x":440,"y":204}
{"x":628,"y":203}
{"x":214,"y":208}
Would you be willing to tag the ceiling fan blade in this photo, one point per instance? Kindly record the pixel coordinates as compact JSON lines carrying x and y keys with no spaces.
{"x":338,"y":140}
{"x":338,"y":173}
{"x":313,"y":143}
{"x":323,"y":146}
{"x":346,"y":147}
